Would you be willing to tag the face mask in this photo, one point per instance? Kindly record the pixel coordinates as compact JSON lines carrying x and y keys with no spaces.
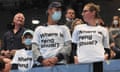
{"x":56,"y":15}
{"x":27,"y":41}
{"x":115,"y":22}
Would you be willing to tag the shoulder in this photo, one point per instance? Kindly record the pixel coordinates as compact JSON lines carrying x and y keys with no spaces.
{"x":9,"y":32}
{"x":103,"y":28}
{"x":23,"y":28}
{"x":80,"y":26}
{"x":63,"y":27}
{"x":39,"y":27}
{"x":20,"y":50}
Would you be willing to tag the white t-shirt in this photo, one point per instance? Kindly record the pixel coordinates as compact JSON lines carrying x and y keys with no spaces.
{"x":91,"y":41}
{"x":51,"y":39}
{"x":24,"y":59}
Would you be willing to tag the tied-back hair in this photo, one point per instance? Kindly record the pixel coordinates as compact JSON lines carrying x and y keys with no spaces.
{"x":94,"y":7}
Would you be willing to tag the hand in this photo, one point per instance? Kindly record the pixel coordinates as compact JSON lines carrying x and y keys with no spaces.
{"x":46,"y":62}
{"x":112,"y":54}
{"x":106,"y":56}
{"x":7,"y":54}
{"x":114,"y":36}
{"x":76,"y":60}
{"x":12,"y":52}
{"x":53,"y":60}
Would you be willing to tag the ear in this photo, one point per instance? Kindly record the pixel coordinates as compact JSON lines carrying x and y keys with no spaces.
{"x":66,"y":15}
{"x":22,"y":39}
{"x":94,"y":13}
{"x":49,"y":11}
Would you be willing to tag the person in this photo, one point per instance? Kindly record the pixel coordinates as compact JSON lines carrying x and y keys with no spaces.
{"x":114,"y":32}
{"x":76,"y":22}
{"x":100,"y":21}
{"x":52,"y":42}
{"x":90,"y":39}
{"x":12,"y":38}
{"x":24,"y":57}
{"x":69,"y":17}
{"x":5,"y":65}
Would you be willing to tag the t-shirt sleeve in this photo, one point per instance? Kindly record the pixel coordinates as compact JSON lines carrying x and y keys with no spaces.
{"x":36,"y":36}
{"x":106,"y":39}
{"x":15,"y":58}
{"x":75,"y":35}
{"x":67,"y":35}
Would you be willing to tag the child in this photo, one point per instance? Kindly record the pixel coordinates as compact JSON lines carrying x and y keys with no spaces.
{"x":23,"y":57}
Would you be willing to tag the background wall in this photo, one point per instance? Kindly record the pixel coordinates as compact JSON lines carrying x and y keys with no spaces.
{"x":37,"y":8}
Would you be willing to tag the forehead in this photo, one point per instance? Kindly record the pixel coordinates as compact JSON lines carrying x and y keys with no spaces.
{"x":70,"y":10}
{"x":56,"y":8}
{"x":19,"y":15}
{"x":115,"y":17}
{"x":86,"y":8}
{"x":28,"y":36}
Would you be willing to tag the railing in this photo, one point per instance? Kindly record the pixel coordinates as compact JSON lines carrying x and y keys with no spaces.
{"x":109,"y":66}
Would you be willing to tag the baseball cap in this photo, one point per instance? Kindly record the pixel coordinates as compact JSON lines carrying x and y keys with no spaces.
{"x":54,"y":5}
{"x":28,"y":32}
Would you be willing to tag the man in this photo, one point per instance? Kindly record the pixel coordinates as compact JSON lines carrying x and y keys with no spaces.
{"x":69,"y":17}
{"x":12,"y":38}
{"x":52,"y":42}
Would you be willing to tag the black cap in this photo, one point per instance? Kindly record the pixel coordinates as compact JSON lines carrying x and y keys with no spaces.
{"x":55,"y":5}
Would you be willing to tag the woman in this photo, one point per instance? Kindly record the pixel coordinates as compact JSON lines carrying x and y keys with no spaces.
{"x":91,"y":39}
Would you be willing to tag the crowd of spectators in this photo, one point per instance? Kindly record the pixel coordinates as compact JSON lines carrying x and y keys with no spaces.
{"x":76,"y":41}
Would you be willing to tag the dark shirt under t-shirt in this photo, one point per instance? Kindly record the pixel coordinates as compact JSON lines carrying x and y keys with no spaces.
{"x":13,"y":41}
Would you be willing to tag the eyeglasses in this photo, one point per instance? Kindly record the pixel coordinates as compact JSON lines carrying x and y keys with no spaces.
{"x":85,"y":11}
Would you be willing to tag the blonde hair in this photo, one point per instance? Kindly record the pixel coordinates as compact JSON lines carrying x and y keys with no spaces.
{"x":94,"y":7}
{"x":74,"y":23}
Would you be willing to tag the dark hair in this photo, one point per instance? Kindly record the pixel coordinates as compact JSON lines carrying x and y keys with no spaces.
{"x":69,"y":8}
{"x":28,"y":34}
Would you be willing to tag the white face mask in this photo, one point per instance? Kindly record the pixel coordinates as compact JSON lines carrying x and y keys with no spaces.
{"x":115,"y":22}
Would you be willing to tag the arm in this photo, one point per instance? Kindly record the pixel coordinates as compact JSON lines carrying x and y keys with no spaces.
{"x":36,"y":53}
{"x":38,"y":56}
{"x":75,"y":39}
{"x":63,"y":54}
{"x":74,"y":52}
{"x":106,"y":44}
{"x":7,"y":65}
{"x":64,"y":51}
